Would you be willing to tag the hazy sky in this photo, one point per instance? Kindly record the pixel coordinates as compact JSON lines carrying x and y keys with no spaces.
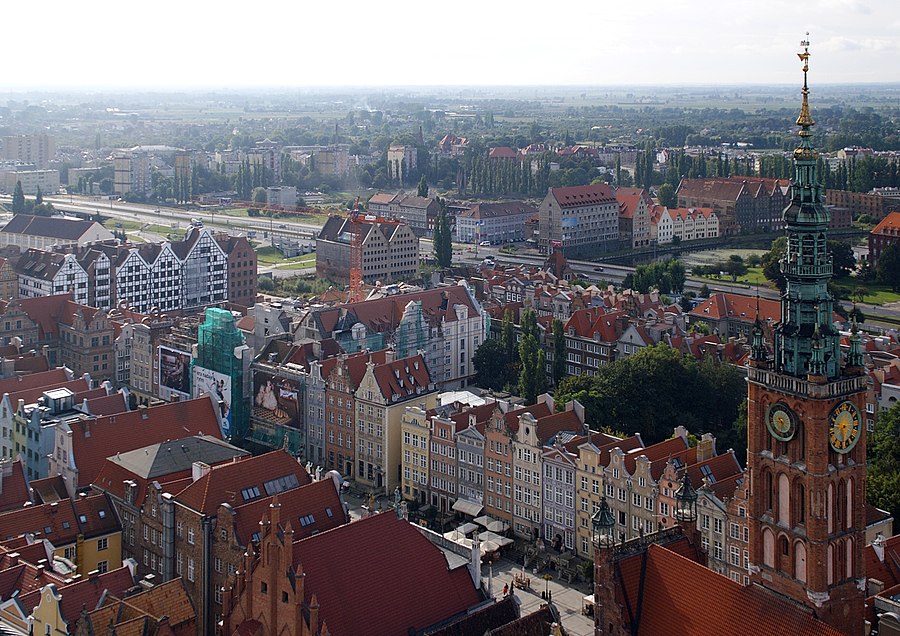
{"x":192,"y":43}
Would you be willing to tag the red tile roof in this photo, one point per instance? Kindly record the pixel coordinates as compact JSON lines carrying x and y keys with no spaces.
{"x":502,"y":152}
{"x":140,"y":614}
{"x":86,"y":592}
{"x":95,"y":439}
{"x":46,"y":379}
{"x":654,"y":452}
{"x":30,"y":396}
{"x":61,"y":522}
{"x":723,"y":305}
{"x":224,"y":483}
{"x":13,"y":487}
{"x":316,"y":499}
{"x":579,"y":196}
{"x":408,"y":584}
{"x":403,"y":379}
{"x":50,"y":311}
{"x":888,"y":225}
{"x":674,"y":585}
{"x":25,"y":578}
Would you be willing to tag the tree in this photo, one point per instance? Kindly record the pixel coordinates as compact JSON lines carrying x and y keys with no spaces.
{"x":39,"y":197}
{"x":559,"y":352}
{"x":704,"y":291}
{"x":735,"y":267}
{"x":666,"y":195}
{"x":888,"y":267}
{"x":441,"y":240}
{"x":490,"y":363}
{"x":842,"y":260}
{"x":532,"y":361}
{"x":18,"y":199}
{"x":883,"y":481}
{"x":423,"y":187}
{"x":259,"y":195}
{"x":771,"y":262}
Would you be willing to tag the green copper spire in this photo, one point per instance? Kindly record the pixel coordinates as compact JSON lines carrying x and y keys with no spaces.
{"x":805,"y":341}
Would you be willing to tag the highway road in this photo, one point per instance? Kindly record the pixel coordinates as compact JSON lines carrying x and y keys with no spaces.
{"x":161,"y":215}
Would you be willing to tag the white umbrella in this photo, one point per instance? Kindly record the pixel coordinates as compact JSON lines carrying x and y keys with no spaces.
{"x":467,"y":528}
{"x":489,"y":546}
{"x":483,"y":521}
{"x":497,"y":526}
{"x":454,"y":535}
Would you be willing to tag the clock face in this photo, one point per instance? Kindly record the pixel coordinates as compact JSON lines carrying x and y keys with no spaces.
{"x":843,"y":427}
{"x":781,"y":422}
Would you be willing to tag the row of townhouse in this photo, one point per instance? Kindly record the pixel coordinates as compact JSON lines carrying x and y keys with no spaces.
{"x":742,"y":204}
{"x":683,"y":224}
{"x":544,"y":473}
{"x":203,"y":269}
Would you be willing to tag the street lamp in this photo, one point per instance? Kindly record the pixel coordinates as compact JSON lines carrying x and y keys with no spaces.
{"x":604,"y":524}
{"x":686,"y":501}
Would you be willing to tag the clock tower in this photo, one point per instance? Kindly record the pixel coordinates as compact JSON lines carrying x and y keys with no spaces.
{"x":806,"y":438}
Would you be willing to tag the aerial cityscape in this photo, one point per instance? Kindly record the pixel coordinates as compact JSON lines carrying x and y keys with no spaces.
{"x":567,"y":344}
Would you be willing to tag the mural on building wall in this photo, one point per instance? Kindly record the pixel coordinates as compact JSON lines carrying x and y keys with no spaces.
{"x":276,"y":399}
{"x":174,"y":374}
{"x":207,"y":381}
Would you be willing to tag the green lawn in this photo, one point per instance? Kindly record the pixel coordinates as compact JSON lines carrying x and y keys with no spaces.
{"x":875,"y":294}
{"x":753,"y":277}
{"x":268,"y":255}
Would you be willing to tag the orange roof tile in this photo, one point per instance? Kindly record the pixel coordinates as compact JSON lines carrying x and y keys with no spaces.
{"x":46,"y":379}
{"x":95,"y":439}
{"x":408,"y":583}
{"x":13,"y":487}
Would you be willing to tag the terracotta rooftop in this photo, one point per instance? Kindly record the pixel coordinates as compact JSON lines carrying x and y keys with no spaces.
{"x":669,"y":587}
{"x":243,"y":480}
{"x":87,"y":592}
{"x":317,"y":502}
{"x":61,"y":522}
{"x":403,"y":379}
{"x":579,"y":196}
{"x":722,"y":305}
{"x":46,"y":379}
{"x":409,"y":586}
{"x":13,"y":487}
{"x":95,"y":439}
{"x":889,"y":225}
{"x":141,"y":613}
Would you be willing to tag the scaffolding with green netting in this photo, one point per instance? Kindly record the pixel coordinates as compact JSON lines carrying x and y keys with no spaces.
{"x":218,"y":349}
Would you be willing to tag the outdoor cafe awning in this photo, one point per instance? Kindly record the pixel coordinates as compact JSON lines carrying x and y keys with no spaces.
{"x":467,"y":507}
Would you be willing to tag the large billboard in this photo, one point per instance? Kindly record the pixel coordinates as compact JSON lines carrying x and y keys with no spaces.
{"x":174,"y":374}
{"x":218,"y":385}
{"x":277,"y":399}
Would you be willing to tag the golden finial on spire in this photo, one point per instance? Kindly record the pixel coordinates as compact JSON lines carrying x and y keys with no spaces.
{"x":805,"y":120}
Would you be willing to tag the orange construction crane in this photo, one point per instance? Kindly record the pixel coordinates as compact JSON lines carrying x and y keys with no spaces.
{"x":358,"y":222}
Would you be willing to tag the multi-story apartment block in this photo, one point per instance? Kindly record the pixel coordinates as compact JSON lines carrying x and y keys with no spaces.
{"x":684,"y":224}
{"x":579,"y":219}
{"x":389,"y":252}
{"x":442,"y":467}
{"x":527,"y":449}
{"x":883,"y":235}
{"x":494,"y":222}
{"x":500,"y":434}
{"x":593,"y":458}
{"x":876,"y":204}
{"x":447,"y":323}
{"x":38,"y":149}
{"x":634,"y":216}
{"x":591,"y":339}
{"x":242,"y":280}
{"x":560,"y":465}
{"x":742,"y":204}
{"x":722,"y":520}
{"x":31,"y":180}
{"x":315,"y":401}
{"x":416,"y":432}
{"x":384,"y":391}
{"x":341,"y":384}
{"x":401,"y":161}
{"x":470,"y":444}
{"x":45,"y":273}
{"x":131,"y":172}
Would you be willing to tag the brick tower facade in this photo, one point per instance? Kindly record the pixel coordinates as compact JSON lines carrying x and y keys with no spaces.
{"x":805,"y":430}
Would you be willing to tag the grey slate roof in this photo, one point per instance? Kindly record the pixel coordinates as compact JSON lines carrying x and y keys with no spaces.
{"x":175,"y":456}
{"x":52,"y":227}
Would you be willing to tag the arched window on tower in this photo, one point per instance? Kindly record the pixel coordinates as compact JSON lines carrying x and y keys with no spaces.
{"x":784,"y":554}
{"x":800,"y":561}
{"x":849,"y":557}
{"x":770,"y":491}
{"x":768,"y":547}
{"x":830,"y":568}
{"x":840,"y":560}
{"x":784,"y":500}
{"x":829,"y":513}
{"x":799,"y":502}
{"x":840,"y":505}
{"x":848,"y":517}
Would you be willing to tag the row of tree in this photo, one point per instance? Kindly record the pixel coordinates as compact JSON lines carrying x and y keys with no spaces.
{"x":665,"y":276}
{"x":35,"y":206}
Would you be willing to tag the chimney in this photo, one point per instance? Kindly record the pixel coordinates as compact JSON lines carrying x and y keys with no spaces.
{"x":706,"y":447}
{"x":389,"y":355}
{"x":878,"y":547}
{"x":198,"y":469}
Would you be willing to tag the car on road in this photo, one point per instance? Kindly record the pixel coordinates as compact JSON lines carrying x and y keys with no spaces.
{"x":598,"y":269}
{"x":485,"y":244}
{"x":282,"y":226}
